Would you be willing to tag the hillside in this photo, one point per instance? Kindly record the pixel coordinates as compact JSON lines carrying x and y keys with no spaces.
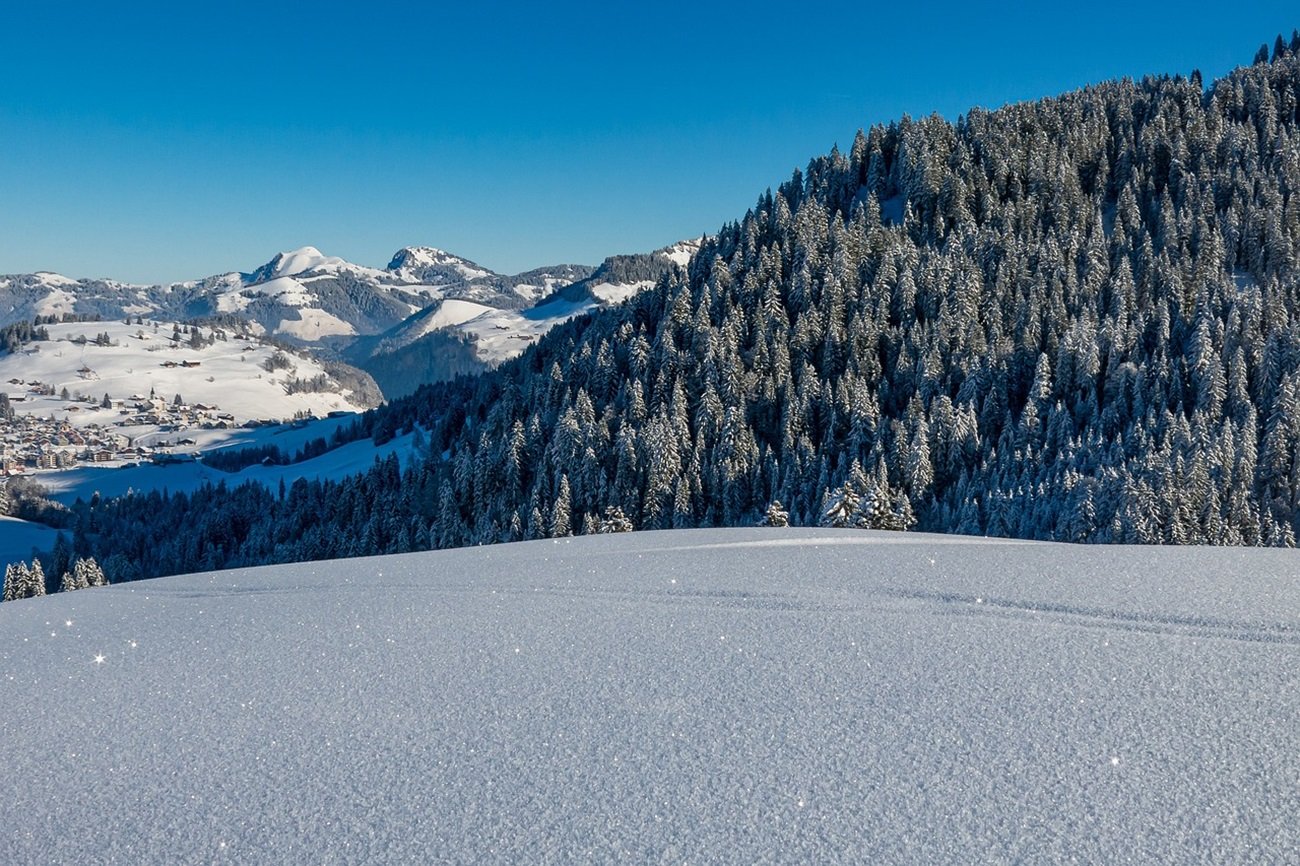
{"x":1071,"y":319}
{"x":246,"y":377}
{"x":740,"y":696}
{"x":427,"y":316}
{"x":453,"y":337}
{"x":301,"y":295}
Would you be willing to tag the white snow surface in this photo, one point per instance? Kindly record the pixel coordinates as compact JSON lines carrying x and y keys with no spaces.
{"x":304,"y":259}
{"x":739,"y":696}
{"x":18,"y":538}
{"x":451,"y":312}
{"x":57,"y":302}
{"x":83,"y":481}
{"x":681,"y":252}
{"x":312,"y":324}
{"x":617,"y":293}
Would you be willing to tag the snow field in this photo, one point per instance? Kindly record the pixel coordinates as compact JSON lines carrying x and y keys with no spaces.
{"x":700,"y":696}
{"x":239,"y":386}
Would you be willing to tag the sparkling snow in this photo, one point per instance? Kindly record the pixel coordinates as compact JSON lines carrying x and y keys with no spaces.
{"x":743,"y":696}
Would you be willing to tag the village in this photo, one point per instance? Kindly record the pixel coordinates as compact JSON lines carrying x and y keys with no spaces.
{"x":35,"y":440}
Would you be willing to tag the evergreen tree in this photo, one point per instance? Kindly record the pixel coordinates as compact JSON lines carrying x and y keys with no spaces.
{"x":775,"y":515}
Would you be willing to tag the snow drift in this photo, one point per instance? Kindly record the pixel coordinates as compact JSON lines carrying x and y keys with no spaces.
{"x":719,"y":696}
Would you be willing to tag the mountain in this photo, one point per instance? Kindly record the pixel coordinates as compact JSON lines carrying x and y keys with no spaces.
{"x":428,"y":316}
{"x":733,"y":696}
{"x":1070,"y":319}
{"x":302,"y":296}
{"x":457,"y":336}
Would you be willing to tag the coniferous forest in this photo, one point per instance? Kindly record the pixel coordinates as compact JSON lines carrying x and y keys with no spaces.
{"x":1073,"y":319}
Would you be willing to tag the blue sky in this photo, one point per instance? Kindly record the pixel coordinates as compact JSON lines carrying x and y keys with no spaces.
{"x":164,"y":141}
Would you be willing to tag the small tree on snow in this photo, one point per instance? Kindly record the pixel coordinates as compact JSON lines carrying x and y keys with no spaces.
{"x":839,"y":506}
{"x":24,"y":581}
{"x":775,"y":515}
{"x":13,"y":580}
{"x":87,"y":573}
{"x":614,"y":520}
{"x":35,"y":580}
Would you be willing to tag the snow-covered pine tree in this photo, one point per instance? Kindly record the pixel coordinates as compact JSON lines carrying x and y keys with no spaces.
{"x":561,"y":514}
{"x":88,"y":573}
{"x":614,"y":520}
{"x":775,"y":515}
{"x":13,"y":581}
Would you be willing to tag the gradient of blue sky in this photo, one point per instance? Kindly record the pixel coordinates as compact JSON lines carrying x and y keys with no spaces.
{"x":162,"y":141}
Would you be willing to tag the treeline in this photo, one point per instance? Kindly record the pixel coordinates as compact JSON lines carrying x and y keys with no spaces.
{"x":14,"y":337}
{"x":1073,"y":319}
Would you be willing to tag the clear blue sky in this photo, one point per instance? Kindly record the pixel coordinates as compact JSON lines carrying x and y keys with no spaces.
{"x":162,"y":141}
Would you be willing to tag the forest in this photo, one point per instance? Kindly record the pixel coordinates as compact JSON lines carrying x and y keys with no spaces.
{"x":1074,"y":319}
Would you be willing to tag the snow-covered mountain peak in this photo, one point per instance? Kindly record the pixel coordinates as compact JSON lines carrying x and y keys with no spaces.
{"x":412,"y":256}
{"x":50,"y":278}
{"x":416,"y":264}
{"x":299,"y":261}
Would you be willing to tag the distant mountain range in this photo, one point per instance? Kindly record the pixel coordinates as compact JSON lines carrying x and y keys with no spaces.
{"x":427,"y":315}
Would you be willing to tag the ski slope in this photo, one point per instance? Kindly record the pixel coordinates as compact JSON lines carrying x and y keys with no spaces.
{"x":739,"y":696}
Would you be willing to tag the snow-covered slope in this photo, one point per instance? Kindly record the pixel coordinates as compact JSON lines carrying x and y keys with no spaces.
{"x":741,"y":696}
{"x":443,"y":341}
{"x":302,"y":295}
{"x":230,"y":374}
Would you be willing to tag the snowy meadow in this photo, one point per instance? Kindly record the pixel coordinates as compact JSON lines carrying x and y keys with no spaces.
{"x":735,"y":696}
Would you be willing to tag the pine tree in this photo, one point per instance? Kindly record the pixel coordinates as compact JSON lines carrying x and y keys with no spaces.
{"x":614,"y":520}
{"x":562,"y":512}
{"x":13,"y":581}
{"x":775,"y":515}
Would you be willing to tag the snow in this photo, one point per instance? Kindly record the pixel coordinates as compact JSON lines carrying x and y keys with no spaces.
{"x":286,"y":290}
{"x":452,"y":312}
{"x":18,"y":538}
{"x":500,"y":335}
{"x":302,"y":260}
{"x":239,"y":384}
{"x":50,"y":278}
{"x":314,"y":324}
{"x":233,"y":301}
{"x":801,"y":696}
{"x":82,"y":482}
{"x":680,"y":253}
{"x":617,"y":293}
{"x":57,"y":302}
{"x":408,"y":260}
